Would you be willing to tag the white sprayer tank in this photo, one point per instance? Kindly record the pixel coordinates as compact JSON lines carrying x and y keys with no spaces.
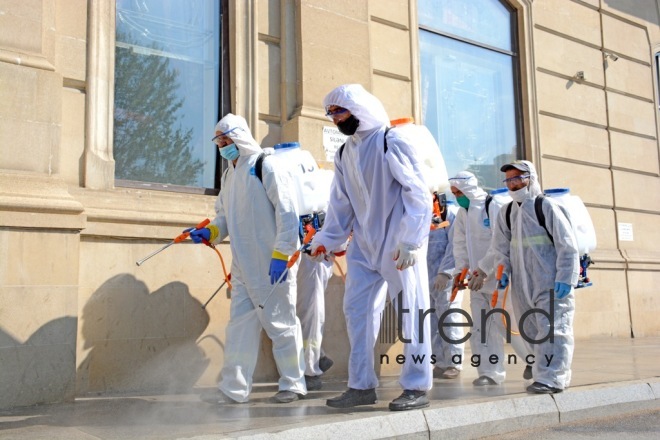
{"x":312,"y":183}
{"x":580,"y":218}
{"x":433,"y":164}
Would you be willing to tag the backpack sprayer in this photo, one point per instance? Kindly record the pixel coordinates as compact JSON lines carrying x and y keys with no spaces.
{"x":183,"y":236}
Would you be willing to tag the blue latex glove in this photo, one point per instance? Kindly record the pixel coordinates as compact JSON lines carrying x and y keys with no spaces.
{"x":277,"y":268}
{"x":197,"y":235}
{"x":504,"y":281}
{"x":562,"y":290}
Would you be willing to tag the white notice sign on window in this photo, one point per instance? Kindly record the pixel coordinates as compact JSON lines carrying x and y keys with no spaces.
{"x":625,"y":232}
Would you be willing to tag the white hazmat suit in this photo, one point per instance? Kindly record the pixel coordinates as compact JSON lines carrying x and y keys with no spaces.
{"x":535,"y":264}
{"x":440,"y":260}
{"x":259,"y":218}
{"x":381,"y":197}
{"x":472,"y":236}
{"x":313,"y":190}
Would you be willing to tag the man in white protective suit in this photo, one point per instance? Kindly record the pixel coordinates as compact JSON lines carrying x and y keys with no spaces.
{"x":262,"y":221}
{"x":440,"y":262}
{"x":313,"y":279}
{"x":381,"y":196}
{"x":472,"y":237}
{"x":543,"y":265}
{"x":313,"y":190}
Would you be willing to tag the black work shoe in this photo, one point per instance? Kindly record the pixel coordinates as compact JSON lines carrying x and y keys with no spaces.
{"x":325,"y":363}
{"x":528,"y":372}
{"x":285,"y":396}
{"x":313,"y":383}
{"x":540,"y":388}
{"x":451,"y":373}
{"x":483,"y":381}
{"x":216,"y":397}
{"x":437,"y":372}
{"x":353,"y":397}
{"x":410,"y":399}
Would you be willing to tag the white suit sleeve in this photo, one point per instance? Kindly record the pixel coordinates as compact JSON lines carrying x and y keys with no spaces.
{"x":339,"y":216}
{"x":487,"y":263}
{"x":220,"y":220}
{"x":447,"y":264}
{"x":568,"y":259}
{"x":279,"y":186}
{"x":417,"y":200}
{"x":500,"y":244}
{"x":459,"y":242}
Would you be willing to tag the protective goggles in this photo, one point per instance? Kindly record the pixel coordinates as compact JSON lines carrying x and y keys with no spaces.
{"x":216,"y":139}
{"x":515,"y":180}
{"x":330,"y":114}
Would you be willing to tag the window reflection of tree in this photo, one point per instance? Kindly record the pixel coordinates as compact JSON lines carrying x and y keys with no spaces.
{"x":150,"y":143}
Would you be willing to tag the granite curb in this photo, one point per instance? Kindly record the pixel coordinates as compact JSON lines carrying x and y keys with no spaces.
{"x":481,"y":419}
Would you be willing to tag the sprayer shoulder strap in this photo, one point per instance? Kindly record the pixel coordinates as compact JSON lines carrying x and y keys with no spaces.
{"x":258,"y":165}
{"x":489,"y":199}
{"x":538,"y":208}
{"x":341,"y":149}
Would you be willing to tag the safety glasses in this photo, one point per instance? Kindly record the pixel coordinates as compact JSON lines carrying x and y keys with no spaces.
{"x":330,"y":114}
{"x":515,"y":180}
{"x":216,"y":139}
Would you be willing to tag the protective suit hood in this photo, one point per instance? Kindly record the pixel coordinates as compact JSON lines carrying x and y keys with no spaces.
{"x":468,"y":184}
{"x":237,"y":129}
{"x":363,"y":105}
{"x":526,"y":167}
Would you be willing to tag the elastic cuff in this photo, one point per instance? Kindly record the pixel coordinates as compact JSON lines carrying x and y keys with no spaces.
{"x":214,"y":232}
{"x":280,"y":256}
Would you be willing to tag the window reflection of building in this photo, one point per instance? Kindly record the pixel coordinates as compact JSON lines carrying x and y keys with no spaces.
{"x":469,"y":63}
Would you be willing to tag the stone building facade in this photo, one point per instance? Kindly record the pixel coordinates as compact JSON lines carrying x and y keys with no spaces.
{"x":78,"y":316}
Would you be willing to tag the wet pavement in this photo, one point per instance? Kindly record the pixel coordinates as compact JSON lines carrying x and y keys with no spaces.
{"x":608,"y":362}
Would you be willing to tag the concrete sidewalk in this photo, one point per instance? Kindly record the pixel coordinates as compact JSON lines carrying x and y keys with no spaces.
{"x":610,"y":376}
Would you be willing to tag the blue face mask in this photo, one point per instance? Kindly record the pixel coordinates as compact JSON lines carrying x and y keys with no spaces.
{"x":229,"y":152}
{"x":463,"y":202}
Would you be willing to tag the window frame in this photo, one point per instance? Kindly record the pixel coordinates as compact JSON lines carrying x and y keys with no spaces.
{"x":224,"y":107}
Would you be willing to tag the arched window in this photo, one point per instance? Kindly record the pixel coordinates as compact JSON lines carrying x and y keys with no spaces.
{"x":170,"y":75}
{"x":469,"y":71}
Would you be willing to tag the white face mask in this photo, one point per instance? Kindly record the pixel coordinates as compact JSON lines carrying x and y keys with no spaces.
{"x":519,"y":195}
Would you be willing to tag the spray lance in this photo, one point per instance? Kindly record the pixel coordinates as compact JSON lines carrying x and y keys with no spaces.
{"x":460,"y":285}
{"x":498,"y":277}
{"x":226,"y":281}
{"x":177,"y":239}
{"x":498,"y":286}
{"x":181,"y":237}
{"x":308,"y":237}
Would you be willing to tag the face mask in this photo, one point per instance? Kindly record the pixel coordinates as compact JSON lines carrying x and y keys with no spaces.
{"x":349,"y":126}
{"x":229,"y":152}
{"x":519,"y":195}
{"x":463,"y":202}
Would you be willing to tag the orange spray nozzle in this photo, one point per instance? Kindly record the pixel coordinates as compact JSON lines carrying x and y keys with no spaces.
{"x":179,"y":238}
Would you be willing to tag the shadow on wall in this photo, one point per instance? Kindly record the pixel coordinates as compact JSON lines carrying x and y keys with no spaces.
{"x":136,"y":340}
{"x":647,"y":10}
{"x":41,"y":370}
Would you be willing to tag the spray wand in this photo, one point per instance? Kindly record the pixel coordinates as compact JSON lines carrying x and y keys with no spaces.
{"x":460,"y":285}
{"x":493,"y":301}
{"x":498,"y":277}
{"x":178,"y":239}
{"x":308,"y":237}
